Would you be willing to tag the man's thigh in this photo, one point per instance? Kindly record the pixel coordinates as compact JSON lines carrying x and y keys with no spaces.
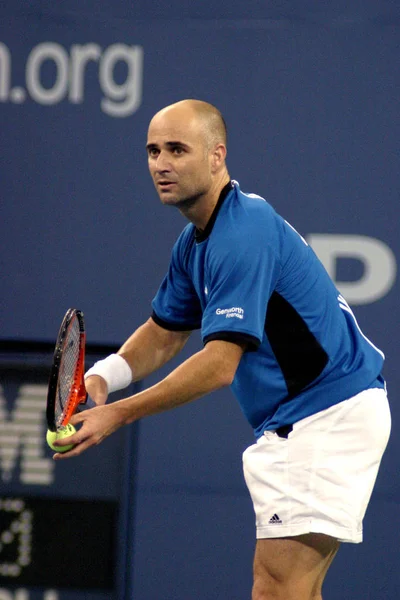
{"x":292,"y":568}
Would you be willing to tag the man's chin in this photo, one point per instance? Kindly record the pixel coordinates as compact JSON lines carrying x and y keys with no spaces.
{"x":169,"y":199}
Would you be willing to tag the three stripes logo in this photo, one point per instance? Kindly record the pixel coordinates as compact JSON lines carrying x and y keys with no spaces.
{"x":275,"y":520}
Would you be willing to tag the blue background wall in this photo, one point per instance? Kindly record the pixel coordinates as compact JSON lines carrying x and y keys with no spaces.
{"x":310,"y":92}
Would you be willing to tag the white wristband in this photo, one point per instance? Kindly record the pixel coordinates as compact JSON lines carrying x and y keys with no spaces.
{"x":114,"y":370}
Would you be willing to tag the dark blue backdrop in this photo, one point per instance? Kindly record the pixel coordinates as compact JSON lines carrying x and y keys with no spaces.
{"x":310,"y":94}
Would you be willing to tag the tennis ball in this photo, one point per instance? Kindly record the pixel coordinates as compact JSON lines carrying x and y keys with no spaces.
{"x":60,"y":434}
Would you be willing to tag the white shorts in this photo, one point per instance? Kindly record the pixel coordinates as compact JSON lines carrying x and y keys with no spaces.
{"x":321,"y":477}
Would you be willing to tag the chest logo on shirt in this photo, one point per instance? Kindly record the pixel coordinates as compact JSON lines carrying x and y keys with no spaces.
{"x":229,"y":313}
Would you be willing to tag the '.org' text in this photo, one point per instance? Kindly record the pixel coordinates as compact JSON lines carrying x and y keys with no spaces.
{"x":53,"y":74}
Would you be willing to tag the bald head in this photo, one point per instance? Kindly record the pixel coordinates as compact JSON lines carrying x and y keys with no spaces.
{"x":207,"y":116}
{"x":186,"y":149}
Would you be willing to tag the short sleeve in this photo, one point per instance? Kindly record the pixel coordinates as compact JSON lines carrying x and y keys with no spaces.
{"x":242,"y":275}
{"x":176,"y":305}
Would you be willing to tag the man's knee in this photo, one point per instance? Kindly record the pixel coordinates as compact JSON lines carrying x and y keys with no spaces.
{"x":270,"y":589}
{"x":263,"y":589}
{"x":292,"y":568}
{"x":268,"y":584}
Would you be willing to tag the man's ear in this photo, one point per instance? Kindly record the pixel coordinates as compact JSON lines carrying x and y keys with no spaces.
{"x":218,"y":157}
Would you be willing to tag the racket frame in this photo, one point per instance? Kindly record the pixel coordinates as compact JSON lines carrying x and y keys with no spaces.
{"x":77,"y":393}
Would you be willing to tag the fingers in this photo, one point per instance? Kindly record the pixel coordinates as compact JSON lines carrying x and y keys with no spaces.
{"x":82,"y":440}
{"x":78,"y":449}
{"x":78,"y":418}
{"x":96,"y":424}
{"x":77,"y":440}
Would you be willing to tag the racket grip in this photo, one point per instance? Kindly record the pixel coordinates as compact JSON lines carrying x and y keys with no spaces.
{"x":88,"y":403}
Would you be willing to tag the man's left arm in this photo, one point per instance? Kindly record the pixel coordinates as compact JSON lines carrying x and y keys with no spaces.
{"x":206,"y":371}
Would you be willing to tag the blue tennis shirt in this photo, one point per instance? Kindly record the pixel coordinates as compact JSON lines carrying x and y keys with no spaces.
{"x":250,"y":277}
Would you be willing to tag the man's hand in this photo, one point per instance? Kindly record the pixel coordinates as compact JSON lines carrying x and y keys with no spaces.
{"x":97,"y":424}
{"x":96,"y":388}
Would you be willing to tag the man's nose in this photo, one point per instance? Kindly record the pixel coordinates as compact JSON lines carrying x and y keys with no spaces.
{"x":163,"y":163}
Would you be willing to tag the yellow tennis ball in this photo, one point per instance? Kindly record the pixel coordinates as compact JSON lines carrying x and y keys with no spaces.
{"x":61,"y":433}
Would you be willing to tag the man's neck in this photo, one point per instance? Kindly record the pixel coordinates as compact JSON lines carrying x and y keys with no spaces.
{"x":199,"y":213}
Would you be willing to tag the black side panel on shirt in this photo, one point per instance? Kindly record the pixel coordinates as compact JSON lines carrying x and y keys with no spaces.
{"x":300,"y":356}
{"x":174,"y":326}
{"x":236,"y":337}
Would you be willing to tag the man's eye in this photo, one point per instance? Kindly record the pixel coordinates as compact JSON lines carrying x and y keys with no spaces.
{"x":153,"y":152}
{"x":177,"y":150}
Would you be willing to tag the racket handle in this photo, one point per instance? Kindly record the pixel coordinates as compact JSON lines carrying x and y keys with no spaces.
{"x":88,"y":403}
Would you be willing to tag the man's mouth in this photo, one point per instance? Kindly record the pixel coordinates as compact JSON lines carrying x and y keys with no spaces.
{"x":165,"y":185}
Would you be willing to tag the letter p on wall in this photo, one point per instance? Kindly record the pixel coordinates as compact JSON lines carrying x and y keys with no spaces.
{"x":377,"y":258}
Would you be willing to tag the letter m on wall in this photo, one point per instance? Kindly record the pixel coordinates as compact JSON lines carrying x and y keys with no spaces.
{"x":22,"y":433}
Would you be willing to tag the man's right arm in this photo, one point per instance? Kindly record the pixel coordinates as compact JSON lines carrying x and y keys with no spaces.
{"x":145,"y":351}
{"x":150,"y":347}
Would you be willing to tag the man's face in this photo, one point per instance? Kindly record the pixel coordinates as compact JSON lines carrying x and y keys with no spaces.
{"x":178,"y":157}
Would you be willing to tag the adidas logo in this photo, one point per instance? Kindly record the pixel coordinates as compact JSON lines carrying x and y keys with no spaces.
{"x":274,"y":520}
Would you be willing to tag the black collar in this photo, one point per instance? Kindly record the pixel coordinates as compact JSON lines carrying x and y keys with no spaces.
{"x":202,"y":234}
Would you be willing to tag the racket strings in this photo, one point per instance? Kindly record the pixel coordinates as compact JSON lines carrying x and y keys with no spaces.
{"x":69,"y":373}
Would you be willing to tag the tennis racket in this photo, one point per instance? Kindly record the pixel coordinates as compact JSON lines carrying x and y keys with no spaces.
{"x":66,"y":389}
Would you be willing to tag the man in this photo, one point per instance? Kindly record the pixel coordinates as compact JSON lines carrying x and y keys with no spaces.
{"x":278,"y":332}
